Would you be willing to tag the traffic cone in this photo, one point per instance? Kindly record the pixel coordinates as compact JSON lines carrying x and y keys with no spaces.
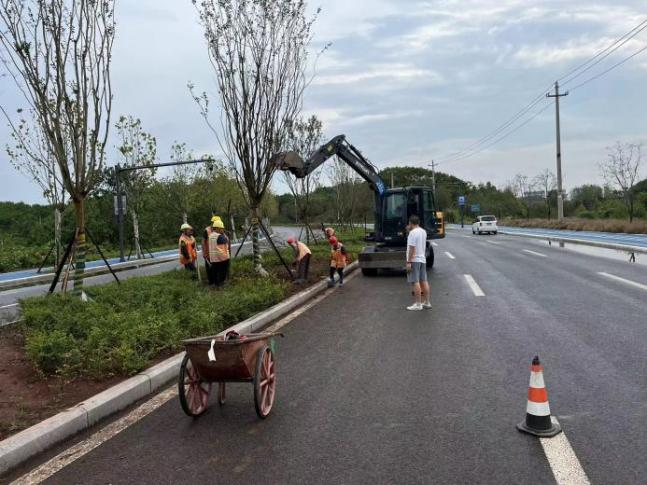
{"x":538,"y":420}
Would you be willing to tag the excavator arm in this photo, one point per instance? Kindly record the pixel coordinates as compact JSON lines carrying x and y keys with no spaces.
{"x":292,"y":162}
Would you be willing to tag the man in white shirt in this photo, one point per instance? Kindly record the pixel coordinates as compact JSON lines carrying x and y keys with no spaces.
{"x":417,"y":264}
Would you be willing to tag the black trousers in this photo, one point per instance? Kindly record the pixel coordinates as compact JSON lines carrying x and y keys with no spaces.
{"x":304,"y":266}
{"x":221,"y":270}
{"x":340,"y":272}
{"x":211,"y":272}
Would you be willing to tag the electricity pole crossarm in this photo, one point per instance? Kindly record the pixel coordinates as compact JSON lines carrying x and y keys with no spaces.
{"x":560,"y":194}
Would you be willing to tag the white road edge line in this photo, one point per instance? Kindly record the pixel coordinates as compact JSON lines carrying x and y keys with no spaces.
{"x":623,"y":280}
{"x":476,"y":289}
{"x":450,"y":255}
{"x":9,"y":306}
{"x":563,"y":462}
{"x":534,"y":253}
{"x":70,"y":455}
{"x":433,"y":243}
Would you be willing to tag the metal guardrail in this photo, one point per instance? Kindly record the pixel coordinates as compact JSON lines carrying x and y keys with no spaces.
{"x":584,"y":242}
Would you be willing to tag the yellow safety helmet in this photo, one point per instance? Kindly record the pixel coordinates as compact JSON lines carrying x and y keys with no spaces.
{"x":217,"y":222}
{"x":185,"y":226}
{"x":215,"y":218}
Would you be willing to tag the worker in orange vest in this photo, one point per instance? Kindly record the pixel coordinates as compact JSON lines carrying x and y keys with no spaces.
{"x":187,"y":248}
{"x":338,"y":261}
{"x":216,"y":251}
{"x":329,"y":232}
{"x":301,"y":259}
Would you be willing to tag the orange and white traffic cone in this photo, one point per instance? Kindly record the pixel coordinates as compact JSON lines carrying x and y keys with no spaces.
{"x":538,"y":420}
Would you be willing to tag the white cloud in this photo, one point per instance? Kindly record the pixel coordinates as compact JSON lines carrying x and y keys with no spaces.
{"x":400,"y":72}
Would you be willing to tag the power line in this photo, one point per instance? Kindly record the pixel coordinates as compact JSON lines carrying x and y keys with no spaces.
{"x":515,"y":129}
{"x":600,"y":74}
{"x":607,"y":54}
{"x":632,"y":33}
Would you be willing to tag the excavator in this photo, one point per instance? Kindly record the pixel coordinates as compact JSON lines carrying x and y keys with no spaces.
{"x":393,"y":206}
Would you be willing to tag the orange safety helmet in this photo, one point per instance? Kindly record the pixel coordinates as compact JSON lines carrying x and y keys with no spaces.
{"x":291,"y":240}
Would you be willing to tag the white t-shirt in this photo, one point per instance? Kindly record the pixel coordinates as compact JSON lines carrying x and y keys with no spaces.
{"x":418,"y":238}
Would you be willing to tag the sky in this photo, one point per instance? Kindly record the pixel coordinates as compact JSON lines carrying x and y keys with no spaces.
{"x":406,"y":81}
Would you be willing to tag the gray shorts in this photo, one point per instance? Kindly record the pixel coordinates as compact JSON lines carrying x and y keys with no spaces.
{"x":418,"y":273}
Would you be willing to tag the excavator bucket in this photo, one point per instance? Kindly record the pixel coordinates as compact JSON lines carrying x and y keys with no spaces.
{"x":290,"y":161}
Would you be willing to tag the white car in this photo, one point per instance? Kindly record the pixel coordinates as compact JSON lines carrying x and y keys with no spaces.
{"x":484,"y":224}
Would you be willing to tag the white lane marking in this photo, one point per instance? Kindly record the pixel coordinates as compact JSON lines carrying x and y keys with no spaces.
{"x":468,"y":237}
{"x":66,"y":457}
{"x":433,"y":243}
{"x":60,"y":461}
{"x":9,"y":306}
{"x":492,"y":242}
{"x":566,"y":468}
{"x":534,"y":253}
{"x":450,"y":255}
{"x":476,"y":289}
{"x":623,"y":280}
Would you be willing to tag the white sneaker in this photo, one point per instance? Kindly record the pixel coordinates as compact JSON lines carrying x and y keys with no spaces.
{"x":416,"y":307}
{"x":426,"y":306}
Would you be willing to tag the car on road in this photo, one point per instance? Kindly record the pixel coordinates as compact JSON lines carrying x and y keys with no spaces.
{"x":484,"y":224}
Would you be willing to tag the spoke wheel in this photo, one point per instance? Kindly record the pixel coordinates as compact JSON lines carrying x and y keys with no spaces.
{"x":264,"y":382}
{"x":192,"y":390}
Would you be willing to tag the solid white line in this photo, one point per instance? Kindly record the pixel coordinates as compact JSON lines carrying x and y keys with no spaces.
{"x":622,"y":280}
{"x":9,"y":306}
{"x":476,"y":289}
{"x":450,"y":255}
{"x":492,"y":242}
{"x":433,"y":243}
{"x":534,"y":253}
{"x":566,"y":468}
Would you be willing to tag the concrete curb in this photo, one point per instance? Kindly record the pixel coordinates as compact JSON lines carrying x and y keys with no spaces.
{"x":36,"y":439}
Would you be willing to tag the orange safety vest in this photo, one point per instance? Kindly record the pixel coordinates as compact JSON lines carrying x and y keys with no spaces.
{"x":337,"y":258}
{"x":190,"y":244}
{"x":218,"y":253}
{"x":302,"y":250}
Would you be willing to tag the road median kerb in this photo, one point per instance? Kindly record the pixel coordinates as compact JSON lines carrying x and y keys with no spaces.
{"x":24,"y":445}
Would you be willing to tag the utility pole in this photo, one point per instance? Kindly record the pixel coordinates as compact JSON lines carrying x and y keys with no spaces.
{"x":560,"y":194}
{"x":433,"y":176}
{"x":392,"y":179}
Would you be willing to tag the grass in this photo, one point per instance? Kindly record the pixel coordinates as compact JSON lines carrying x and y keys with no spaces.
{"x":575,"y":224}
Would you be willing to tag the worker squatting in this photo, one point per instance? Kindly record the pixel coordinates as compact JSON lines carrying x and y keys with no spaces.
{"x":216,"y":252}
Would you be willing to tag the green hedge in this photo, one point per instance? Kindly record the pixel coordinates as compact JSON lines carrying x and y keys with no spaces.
{"x":125,"y":327}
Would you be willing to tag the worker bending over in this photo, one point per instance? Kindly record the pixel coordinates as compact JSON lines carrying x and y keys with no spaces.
{"x":216,"y":252}
{"x":301,"y":259}
{"x":338,"y":261}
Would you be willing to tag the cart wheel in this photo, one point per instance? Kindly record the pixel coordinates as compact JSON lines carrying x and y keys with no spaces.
{"x":193,"y":391}
{"x":264,"y":382}
{"x":221,"y":393}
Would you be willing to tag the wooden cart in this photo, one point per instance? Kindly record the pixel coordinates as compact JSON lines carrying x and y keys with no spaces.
{"x":244,"y":358}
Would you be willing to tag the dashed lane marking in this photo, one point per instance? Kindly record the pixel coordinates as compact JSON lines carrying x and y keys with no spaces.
{"x":534,"y":253}
{"x":476,"y":289}
{"x":492,"y":242}
{"x":450,"y":255}
{"x":623,"y":280}
{"x":66,"y":457}
{"x":433,"y":243}
{"x":9,"y":306}
{"x":563,"y":462}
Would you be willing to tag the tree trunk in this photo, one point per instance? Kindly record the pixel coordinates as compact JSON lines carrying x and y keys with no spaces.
{"x":138,"y":249}
{"x":57,"y":236}
{"x":79,"y":255}
{"x":631,"y":208}
{"x":185,"y":217}
{"x":233,"y":227}
{"x":256,"y":249}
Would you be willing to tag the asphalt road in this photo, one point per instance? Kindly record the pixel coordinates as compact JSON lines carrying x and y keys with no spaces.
{"x":371,"y":393}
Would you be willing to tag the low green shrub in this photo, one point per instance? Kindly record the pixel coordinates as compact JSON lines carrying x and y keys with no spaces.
{"x":125,"y":327}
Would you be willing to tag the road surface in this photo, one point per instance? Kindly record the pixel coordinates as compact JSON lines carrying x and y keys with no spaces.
{"x":371,"y":393}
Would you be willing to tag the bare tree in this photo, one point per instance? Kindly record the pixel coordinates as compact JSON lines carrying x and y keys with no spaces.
{"x":621,"y":169}
{"x":58,"y":52}
{"x":30,"y":155}
{"x":546,"y":182}
{"x":137,"y":149}
{"x":522,"y":187}
{"x":258,"y":49}
{"x":304,"y":137}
